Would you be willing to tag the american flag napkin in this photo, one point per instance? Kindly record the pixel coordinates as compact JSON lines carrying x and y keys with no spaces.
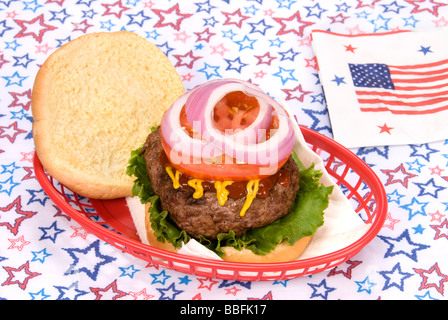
{"x":385,"y":88}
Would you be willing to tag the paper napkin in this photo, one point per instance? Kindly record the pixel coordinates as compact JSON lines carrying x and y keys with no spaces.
{"x":385,"y":88}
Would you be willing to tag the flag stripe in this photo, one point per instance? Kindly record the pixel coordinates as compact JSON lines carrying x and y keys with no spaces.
{"x":438,"y":86}
{"x":404,"y":111}
{"x":420,"y":80}
{"x":408,"y":89}
{"x":402,"y":95}
{"x":403,"y":103}
{"x":421,"y":73}
{"x":418,"y":66}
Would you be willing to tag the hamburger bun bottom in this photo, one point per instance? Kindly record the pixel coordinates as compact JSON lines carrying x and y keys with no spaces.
{"x":282,"y":253}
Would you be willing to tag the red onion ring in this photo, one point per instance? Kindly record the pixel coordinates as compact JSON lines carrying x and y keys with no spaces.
{"x":246,"y":146}
{"x":183,"y":146}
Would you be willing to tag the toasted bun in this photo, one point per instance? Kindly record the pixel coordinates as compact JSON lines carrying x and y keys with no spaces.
{"x":282,"y":253}
{"x":95,"y":99}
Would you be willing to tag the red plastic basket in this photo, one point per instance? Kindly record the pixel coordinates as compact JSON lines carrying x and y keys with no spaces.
{"x":356,"y":179}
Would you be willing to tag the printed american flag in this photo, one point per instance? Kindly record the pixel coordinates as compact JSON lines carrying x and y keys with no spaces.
{"x":405,"y":89}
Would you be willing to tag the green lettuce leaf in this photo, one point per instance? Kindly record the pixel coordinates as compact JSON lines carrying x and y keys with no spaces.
{"x":306,"y":214}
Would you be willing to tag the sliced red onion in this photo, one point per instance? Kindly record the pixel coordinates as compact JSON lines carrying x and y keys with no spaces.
{"x":209,"y":95}
{"x":183,"y":147}
{"x":247,"y":145}
{"x":243,"y":145}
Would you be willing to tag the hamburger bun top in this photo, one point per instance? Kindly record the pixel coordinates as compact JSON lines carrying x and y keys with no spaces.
{"x":95,"y":99}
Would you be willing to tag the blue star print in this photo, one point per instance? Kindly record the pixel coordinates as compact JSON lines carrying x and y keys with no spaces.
{"x":91,"y":253}
{"x":395,"y":277}
{"x":403,"y":245}
{"x":425,"y":50}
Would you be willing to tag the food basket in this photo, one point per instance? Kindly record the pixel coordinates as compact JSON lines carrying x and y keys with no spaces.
{"x":356,"y":179}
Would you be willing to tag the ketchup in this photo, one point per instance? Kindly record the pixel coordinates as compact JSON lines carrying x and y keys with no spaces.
{"x":237,"y":189}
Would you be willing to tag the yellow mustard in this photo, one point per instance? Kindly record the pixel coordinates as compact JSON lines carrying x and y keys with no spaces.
{"x":173,"y":176}
{"x":252,"y":189}
{"x":221,"y":192}
{"x":196,"y":184}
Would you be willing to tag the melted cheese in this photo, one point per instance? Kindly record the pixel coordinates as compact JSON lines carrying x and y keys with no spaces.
{"x":252,"y":189}
{"x":174,"y":176}
{"x":221,"y":192}
{"x":196,"y":184}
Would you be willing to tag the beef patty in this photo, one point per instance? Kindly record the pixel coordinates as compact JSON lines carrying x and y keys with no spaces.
{"x":205,"y":216}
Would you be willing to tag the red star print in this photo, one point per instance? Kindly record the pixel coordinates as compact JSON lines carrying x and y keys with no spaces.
{"x":370,"y":3}
{"x":187,"y":59}
{"x":29,"y":28}
{"x":21,"y":99}
{"x":405,"y":176}
{"x":12,"y":274}
{"x":338,"y":19}
{"x":232,"y":291}
{"x":265,"y":59}
{"x":110,"y":289}
{"x":44,"y":48}
{"x":385,"y":128}
{"x":115,"y":9}
{"x":296,"y":93}
{"x":197,"y":297}
{"x":267,"y":296}
{"x":293,"y":24}
{"x":434,"y":10}
{"x":2,"y":60}
{"x":13,"y":209}
{"x":59,"y":213}
{"x":350,"y":48}
{"x":390,"y":222}
{"x":235,"y":18}
{"x":436,"y":170}
{"x":82,"y":26}
{"x":207,"y":283}
{"x":29,"y":173}
{"x":436,"y":216}
{"x":425,"y":285}
{"x":18,"y":243}
{"x":59,"y":2}
{"x":79,"y":232}
{"x":187,"y":77}
{"x":311,"y":63}
{"x":439,"y":229}
{"x":10,"y":132}
{"x":141,"y":295}
{"x":171,"y":17}
{"x":260,"y":74}
{"x":27,"y":156}
{"x":347,"y":272}
{"x":204,"y":35}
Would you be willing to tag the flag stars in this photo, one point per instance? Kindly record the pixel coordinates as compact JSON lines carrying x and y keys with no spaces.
{"x":425,"y":50}
{"x":385,"y":129}
{"x":350,"y":48}
{"x":339,"y":80}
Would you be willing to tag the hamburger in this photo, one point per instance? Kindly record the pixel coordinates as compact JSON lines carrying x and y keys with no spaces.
{"x":221,"y":169}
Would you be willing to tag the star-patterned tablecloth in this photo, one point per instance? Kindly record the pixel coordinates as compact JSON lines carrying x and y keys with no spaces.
{"x":46,"y":255}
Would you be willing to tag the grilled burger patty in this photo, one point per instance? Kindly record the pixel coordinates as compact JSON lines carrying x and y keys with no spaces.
{"x":205,"y":216}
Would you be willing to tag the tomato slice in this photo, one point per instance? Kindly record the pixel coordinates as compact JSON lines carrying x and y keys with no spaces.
{"x":221,"y":172}
{"x":236,"y":110}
